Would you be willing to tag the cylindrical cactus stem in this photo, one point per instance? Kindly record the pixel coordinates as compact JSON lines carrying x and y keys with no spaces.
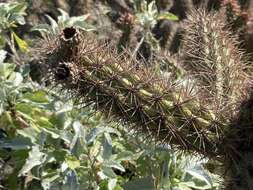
{"x":212,"y":55}
{"x":167,"y":112}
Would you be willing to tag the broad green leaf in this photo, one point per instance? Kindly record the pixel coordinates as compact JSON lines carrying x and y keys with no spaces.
{"x":24,"y":108}
{"x":35,"y":158}
{"x":43,"y":122}
{"x":21,"y":43}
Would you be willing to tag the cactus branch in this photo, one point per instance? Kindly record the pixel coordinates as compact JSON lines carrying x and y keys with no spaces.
{"x":94,"y":73}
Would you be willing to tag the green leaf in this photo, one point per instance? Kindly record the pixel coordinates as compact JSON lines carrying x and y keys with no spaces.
{"x":93,"y":134}
{"x":77,"y":144}
{"x":198,"y":178}
{"x":79,"y":130}
{"x":17,"y":18}
{"x":2,"y":40}
{"x":2,"y":55}
{"x":14,"y":13}
{"x":146,"y":183}
{"x":18,"y":8}
{"x":123,"y":156}
{"x":38,"y":96}
{"x":63,"y":18}
{"x":35,"y":158}
{"x":42,"y":28}
{"x":30,"y":133}
{"x":19,"y":143}
{"x":167,"y":16}
{"x":47,"y":182}
{"x":114,"y":164}
{"x":54,"y":25}
{"x":71,"y":181}
{"x":15,"y":78}
{"x":152,"y":9}
{"x":21,"y":43}
{"x":24,"y":70}
{"x":107,"y":146}
{"x":112,"y":184}
{"x":106,"y":172}
{"x":54,"y":133}
{"x":6,"y":69}
{"x":72,"y":162}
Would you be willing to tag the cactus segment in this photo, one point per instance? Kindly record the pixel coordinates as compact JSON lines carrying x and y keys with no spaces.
{"x":93,"y":73}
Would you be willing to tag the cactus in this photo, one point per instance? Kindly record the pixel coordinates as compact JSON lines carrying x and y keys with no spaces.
{"x":212,"y":56}
{"x":199,"y":114}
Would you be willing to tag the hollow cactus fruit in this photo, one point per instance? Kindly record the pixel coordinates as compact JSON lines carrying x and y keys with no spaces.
{"x":206,"y":113}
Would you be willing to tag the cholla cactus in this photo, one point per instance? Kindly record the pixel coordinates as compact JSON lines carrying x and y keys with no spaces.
{"x":212,"y":56}
{"x":189,"y":116}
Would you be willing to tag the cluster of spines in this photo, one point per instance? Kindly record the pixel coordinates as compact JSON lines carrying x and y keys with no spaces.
{"x":94,"y":74}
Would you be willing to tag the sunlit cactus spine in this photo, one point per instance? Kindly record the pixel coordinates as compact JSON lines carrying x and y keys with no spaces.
{"x":189,"y":115}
